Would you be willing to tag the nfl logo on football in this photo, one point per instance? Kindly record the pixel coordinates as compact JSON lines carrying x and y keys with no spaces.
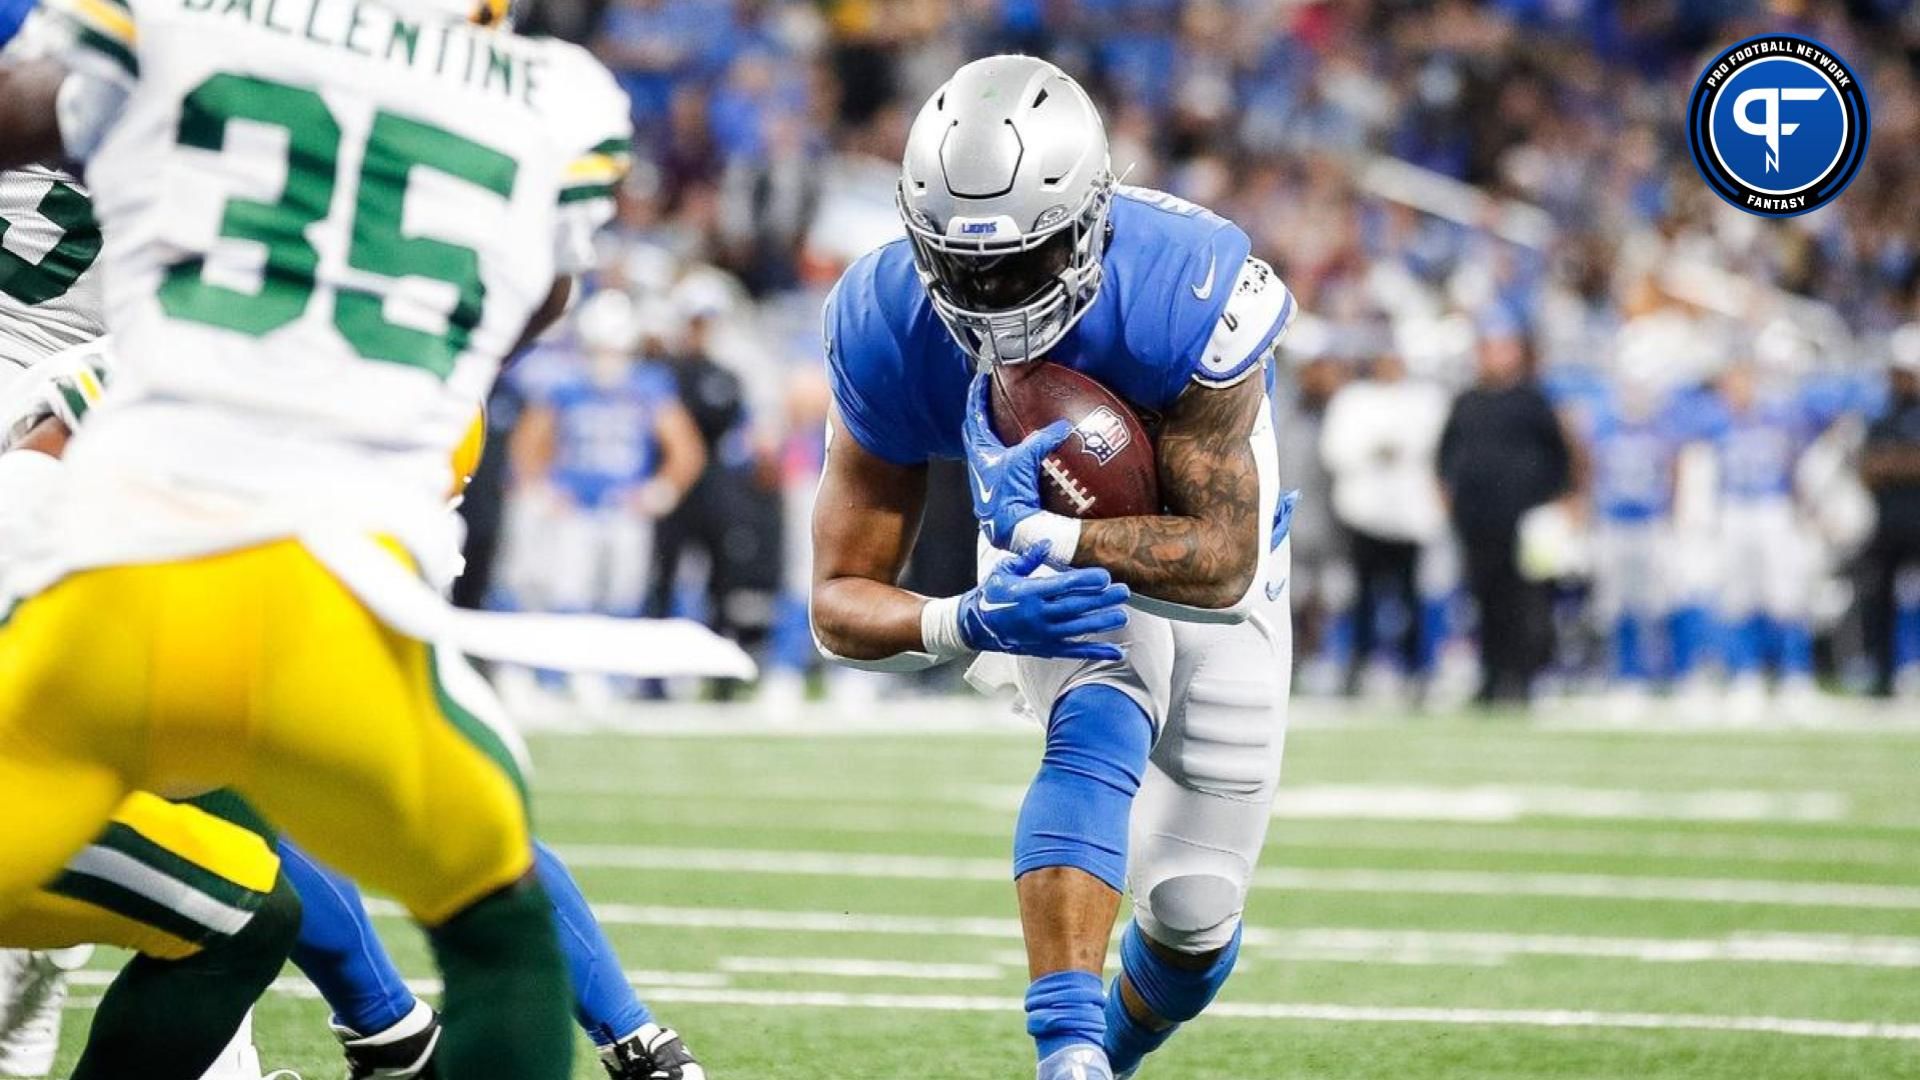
{"x":1102,"y":434}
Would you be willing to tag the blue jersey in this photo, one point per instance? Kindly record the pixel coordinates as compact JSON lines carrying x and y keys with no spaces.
{"x":603,"y":439}
{"x":1181,"y":302}
{"x":1633,"y":462}
{"x":1758,"y":448}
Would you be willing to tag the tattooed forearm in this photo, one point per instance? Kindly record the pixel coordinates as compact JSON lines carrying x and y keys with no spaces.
{"x":1205,"y":550}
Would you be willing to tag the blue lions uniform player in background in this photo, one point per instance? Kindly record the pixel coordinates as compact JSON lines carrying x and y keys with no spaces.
{"x":1766,"y":593}
{"x":1155,"y":648}
{"x":1634,"y":457}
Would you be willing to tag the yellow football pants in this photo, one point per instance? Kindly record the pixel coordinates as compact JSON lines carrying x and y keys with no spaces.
{"x":256,"y":670}
{"x":164,"y":879}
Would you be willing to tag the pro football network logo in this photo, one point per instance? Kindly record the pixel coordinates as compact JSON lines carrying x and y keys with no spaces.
{"x":1778,"y":125}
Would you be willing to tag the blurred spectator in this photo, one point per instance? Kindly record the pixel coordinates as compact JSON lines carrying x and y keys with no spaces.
{"x":1502,"y":453}
{"x":1321,"y":577}
{"x":656,"y":46}
{"x":730,"y":518}
{"x":1890,"y":466}
{"x":1379,"y":441}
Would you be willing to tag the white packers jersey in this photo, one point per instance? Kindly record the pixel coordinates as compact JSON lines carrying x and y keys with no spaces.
{"x":49,"y":288}
{"x":326,"y":223}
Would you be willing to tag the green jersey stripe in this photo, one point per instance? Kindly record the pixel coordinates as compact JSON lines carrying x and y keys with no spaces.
{"x":129,"y":904}
{"x":477,"y":731}
{"x":586,"y":193}
{"x":146,"y":866}
{"x":109,"y":48}
{"x":76,"y":401}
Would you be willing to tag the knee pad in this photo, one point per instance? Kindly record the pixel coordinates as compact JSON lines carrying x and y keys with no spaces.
{"x":1075,"y":813}
{"x":1193,"y":912}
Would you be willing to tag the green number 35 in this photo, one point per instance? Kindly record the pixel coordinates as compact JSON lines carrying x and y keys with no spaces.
{"x":395,"y":146}
{"x":56,"y":271}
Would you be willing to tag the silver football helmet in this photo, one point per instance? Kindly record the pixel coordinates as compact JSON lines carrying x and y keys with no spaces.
{"x":1005,"y":190}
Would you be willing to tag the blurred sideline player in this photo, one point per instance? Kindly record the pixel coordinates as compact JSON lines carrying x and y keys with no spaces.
{"x":1020,"y":246}
{"x":727,"y":527}
{"x":612,"y":449}
{"x":285,"y":440}
{"x":802,"y":455}
{"x":1890,"y":466}
{"x":1634,"y":458}
{"x":1766,"y":589}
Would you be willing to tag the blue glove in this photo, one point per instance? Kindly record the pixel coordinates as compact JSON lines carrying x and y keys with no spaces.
{"x":1014,"y":612}
{"x":13,"y":15}
{"x":1004,"y":480}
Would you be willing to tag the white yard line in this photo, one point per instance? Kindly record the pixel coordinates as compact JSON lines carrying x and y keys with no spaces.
{"x":1312,"y":879}
{"x":1596,"y":887}
{"x":968,"y":714}
{"x":831,"y":967}
{"x":1318,"y":943}
{"x":1496,"y":804}
{"x":682,"y":991}
{"x":1579,"y":840}
{"x":1446,"y":947}
{"x":1312,"y":1012}
{"x":1573,"y":838}
{"x":1501,"y":804}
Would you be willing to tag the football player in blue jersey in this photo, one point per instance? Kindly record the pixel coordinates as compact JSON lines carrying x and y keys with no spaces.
{"x":1766,"y":603}
{"x":1169,"y":716}
{"x":617,"y":449}
{"x":1634,"y":451}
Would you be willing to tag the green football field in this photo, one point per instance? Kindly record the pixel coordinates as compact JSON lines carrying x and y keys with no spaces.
{"x":1439,"y":898}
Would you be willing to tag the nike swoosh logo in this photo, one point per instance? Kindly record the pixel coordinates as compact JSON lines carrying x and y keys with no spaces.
{"x":1274,"y":590}
{"x":988,"y":605}
{"x":1205,"y":288}
{"x":985,"y":490}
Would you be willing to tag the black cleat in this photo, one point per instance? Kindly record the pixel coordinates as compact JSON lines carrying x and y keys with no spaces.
{"x":402,"y":1052}
{"x":652,"y":1053}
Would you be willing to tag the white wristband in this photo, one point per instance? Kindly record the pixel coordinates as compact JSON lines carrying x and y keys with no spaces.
{"x":1062,"y":532}
{"x":940,"y":628}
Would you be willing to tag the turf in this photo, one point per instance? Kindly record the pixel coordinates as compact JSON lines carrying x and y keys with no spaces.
{"x":839,"y":910}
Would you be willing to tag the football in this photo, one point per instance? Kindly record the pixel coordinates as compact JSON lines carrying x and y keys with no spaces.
{"x":1106,"y":468}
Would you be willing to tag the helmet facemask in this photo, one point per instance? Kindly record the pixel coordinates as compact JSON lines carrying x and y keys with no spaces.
{"x":1007,"y":300}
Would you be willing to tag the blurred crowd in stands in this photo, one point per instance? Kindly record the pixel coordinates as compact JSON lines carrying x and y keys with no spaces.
{"x":1638,"y":440}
